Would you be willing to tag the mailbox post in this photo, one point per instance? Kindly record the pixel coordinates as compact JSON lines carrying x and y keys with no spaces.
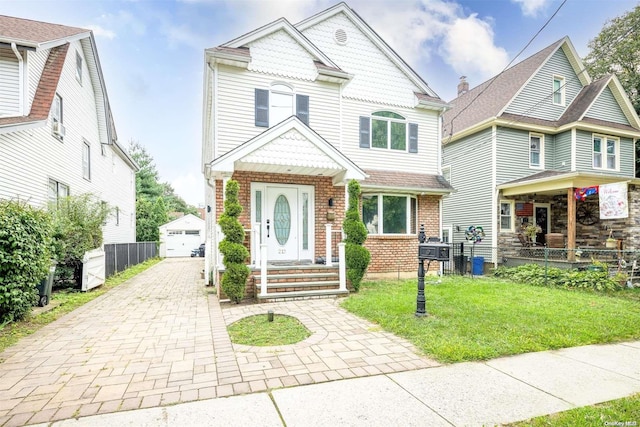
{"x":430,"y":251}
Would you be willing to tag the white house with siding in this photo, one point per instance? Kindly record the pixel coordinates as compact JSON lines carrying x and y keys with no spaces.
{"x":293,"y":113}
{"x":57,"y":135}
{"x":521,"y":146}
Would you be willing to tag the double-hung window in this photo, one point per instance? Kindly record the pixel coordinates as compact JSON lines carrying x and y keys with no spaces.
{"x":279,"y":103}
{"x":388,"y":131}
{"x":558,"y":90}
{"x":536,"y":150}
{"x":56,"y":109}
{"x":605,"y":152}
{"x":506,"y":216}
{"x":57,"y":191}
{"x":389,"y":214}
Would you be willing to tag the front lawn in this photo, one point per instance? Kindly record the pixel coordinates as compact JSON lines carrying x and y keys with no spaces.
{"x":620,"y":412}
{"x":484,"y":318}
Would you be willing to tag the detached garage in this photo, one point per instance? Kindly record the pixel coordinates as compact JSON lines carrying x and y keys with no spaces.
{"x":179,"y":237}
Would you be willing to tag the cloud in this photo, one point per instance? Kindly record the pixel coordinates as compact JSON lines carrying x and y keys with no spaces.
{"x":190,"y":187}
{"x":531,"y":7}
{"x":469,"y":48}
{"x":98,"y":31}
{"x":182,"y":35}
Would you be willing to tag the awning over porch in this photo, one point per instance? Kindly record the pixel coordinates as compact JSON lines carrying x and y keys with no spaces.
{"x":557,"y":182}
{"x":291,"y":147}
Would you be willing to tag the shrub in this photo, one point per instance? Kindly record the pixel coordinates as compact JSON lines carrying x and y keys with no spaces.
{"x":233,"y":251}
{"x":25,"y":252}
{"x":77,"y":228}
{"x":595,"y":277}
{"x":357,"y":256}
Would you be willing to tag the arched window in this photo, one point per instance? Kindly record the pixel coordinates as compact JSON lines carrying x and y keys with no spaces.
{"x":388,"y":130}
{"x":278,"y":103}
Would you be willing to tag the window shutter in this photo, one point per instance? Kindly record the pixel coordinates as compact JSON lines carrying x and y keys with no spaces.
{"x":302,"y":108}
{"x":413,"y":137}
{"x":364,"y":132}
{"x":262,"y":107}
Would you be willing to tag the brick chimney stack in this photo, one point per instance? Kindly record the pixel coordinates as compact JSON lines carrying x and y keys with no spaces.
{"x":463,"y":86}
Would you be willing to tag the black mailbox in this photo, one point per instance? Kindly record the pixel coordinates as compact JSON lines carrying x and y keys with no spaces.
{"x":433,"y":251}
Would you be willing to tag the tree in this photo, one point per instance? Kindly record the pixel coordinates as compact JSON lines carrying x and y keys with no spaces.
{"x":357,"y":256}
{"x":233,"y":251}
{"x":77,"y":228}
{"x":149,"y":190}
{"x":616,"y":50}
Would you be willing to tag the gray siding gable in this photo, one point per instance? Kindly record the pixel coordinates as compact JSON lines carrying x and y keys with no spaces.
{"x":606,"y":107}
{"x":512,"y":154}
{"x":561,"y":152}
{"x":584,"y":155}
{"x":536,"y":100}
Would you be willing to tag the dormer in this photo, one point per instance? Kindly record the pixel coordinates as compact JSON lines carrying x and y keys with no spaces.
{"x":12,"y":81}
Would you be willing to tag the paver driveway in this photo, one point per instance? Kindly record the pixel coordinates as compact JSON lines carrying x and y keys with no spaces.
{"x":160,"y":338}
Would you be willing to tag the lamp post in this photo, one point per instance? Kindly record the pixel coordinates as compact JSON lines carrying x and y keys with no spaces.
{"x":420,"y":300}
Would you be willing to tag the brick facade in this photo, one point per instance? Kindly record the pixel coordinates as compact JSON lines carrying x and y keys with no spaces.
{"x":389,"y":254}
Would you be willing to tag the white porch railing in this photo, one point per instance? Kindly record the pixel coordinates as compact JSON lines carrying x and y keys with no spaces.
{"x":328,"y":246}
{"x":263,"y":269}
{"x":256,"y":252}
{"x":342,"y":266}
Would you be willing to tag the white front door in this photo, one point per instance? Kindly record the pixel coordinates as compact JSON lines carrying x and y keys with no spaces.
{"x":282,"y":221}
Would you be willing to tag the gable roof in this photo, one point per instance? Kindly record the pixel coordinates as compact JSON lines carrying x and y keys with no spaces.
{"x":489,"y":100}
{"x":188,"y":219}
{"x":491,"y":97}
{"x":290,"y":147}
{"x":342,"y":7}
{"x":36,"y":34}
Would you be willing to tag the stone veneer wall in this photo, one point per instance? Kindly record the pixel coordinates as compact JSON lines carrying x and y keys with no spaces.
{"x":594,"y":235}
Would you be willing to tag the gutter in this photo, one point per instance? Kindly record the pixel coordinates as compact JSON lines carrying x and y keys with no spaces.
{"x":14,"y":48}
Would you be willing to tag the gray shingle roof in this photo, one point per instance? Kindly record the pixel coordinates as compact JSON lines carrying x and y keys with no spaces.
{"x":492,"y":96}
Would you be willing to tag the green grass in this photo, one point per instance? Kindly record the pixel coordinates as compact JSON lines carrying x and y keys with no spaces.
{"x":67,"y":300}
{"x":479,"y":319}
{"x":621,"y":412}
{"x":257,"y":330}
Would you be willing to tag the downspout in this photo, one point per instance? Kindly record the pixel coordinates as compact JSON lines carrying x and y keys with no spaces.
{"x":14,"y":48}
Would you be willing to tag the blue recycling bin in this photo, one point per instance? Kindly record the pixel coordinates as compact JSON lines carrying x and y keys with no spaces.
{"x":477,"y":268}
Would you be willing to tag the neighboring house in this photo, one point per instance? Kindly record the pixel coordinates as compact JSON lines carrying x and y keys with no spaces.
{"x":57,"y":136}
{"x":519,"y":146}
{"x":180,"y":236}
{"x":293,"y":113}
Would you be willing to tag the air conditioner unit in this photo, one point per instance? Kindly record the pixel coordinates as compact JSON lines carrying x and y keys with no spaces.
{"x":58,"y":129}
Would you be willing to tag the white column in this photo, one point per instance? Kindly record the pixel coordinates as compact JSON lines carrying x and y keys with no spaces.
{"x":263,"y":269}
{"x":327,"y":245}
{"x":255,"y":244}
{"x":342,"y":266}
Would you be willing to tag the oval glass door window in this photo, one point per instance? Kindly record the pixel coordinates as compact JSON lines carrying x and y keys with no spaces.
{"x":282,"y":219}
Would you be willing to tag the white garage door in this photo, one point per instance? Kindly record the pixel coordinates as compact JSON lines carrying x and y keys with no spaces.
{"x":182,"y":242}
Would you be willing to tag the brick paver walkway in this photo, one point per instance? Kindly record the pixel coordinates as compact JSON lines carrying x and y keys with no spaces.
{"x":161,"y":338}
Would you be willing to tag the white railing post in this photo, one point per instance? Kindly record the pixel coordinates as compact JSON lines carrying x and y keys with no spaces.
{"x":219,"y":237}
{"x":255,"y":244}
{"x":342,"y":266}
{"x":263,"y":269}
{"x":327,"y":246}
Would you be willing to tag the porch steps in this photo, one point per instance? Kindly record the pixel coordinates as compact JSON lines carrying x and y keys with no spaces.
{"x":299,"y":282}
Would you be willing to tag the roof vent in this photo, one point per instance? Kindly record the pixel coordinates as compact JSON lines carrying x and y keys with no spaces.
{"x":340,"y":36}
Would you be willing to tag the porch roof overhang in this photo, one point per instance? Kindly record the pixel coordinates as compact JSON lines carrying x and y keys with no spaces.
{"x":290,"y":147}
{"x":556,"y":183}
{"x":406,"y":182}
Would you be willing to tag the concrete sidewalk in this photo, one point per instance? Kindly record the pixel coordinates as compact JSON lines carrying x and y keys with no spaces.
{"x":466,"y":394}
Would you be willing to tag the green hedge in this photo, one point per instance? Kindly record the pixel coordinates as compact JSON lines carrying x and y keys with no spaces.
{"x":594,"y":277}
{"x":25,"y":251}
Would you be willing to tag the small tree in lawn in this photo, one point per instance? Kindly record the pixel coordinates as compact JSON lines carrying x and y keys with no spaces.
{"x":357,"y":256}
{"x":233,"y":251}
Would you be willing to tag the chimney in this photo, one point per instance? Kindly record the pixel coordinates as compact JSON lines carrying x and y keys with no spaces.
{"x":463,"y":86}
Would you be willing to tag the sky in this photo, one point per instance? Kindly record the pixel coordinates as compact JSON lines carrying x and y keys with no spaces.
{"x":152,"y":52}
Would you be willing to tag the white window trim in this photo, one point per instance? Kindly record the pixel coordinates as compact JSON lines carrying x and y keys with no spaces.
{"x":79,"y":67}
{"x":541,"y":136}
{"x":603,"y":147}
{"x":60,"y":117}
{"x":380,"y":225}
{"x":561,"y":91}
{"x":86,"y":148}
{"x":389,"y":120}
{"x":273,"y":89}
{"x":512,"y":203}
